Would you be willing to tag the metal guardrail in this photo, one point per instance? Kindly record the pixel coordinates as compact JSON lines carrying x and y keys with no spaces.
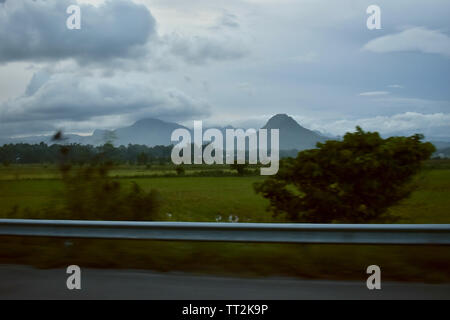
{"x":384,"y":234}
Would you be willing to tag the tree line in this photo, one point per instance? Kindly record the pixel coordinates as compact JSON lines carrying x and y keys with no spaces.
{"x":24,"y":153}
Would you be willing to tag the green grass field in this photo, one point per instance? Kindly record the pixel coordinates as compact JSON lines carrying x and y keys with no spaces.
{"x":51,"y":171}
{"x":184,"y":198}
{"x":192,"y":198}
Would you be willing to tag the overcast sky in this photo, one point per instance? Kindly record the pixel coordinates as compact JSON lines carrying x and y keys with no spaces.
{"x":225,"y":62}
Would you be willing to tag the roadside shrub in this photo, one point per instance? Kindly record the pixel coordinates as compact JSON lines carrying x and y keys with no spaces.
{"x":91,"y":195}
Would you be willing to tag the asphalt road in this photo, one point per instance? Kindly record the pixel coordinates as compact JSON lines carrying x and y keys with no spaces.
{"x":22,"y":282}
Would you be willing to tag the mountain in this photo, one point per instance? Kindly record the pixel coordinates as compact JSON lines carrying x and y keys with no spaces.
{"x":293,"y":135}
{"x":152,"y":132}
{"x":98,"y":137}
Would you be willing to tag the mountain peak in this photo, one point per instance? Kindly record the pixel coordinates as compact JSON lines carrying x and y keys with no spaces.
{"x":281,"y":116}
{"x":281,"y":120}
{"x":293,"y":135}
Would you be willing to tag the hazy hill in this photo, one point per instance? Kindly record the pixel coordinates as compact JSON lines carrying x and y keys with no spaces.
{"x":293,"y":135}
{"x":150,"y":132}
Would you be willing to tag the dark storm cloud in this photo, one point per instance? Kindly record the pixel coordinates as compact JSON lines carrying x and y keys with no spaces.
{"x":67,"y":98}
{"x":36,"y":31}
{"x":117,"y":34}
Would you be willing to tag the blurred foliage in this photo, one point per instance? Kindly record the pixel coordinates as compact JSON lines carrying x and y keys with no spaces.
{"x":89,"y":193}
{"x":354,"y":180}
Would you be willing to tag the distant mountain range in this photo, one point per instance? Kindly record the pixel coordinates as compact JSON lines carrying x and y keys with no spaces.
{"x":152,"y":132}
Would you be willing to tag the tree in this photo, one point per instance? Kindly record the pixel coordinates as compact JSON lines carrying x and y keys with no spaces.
{"x":142,"y":158}
{"x":240,"y":168}
{"x":353,"y":180}
{"x":180,"y":170}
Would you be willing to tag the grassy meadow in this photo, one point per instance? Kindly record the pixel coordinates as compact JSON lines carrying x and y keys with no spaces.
{"x":203,"y":197}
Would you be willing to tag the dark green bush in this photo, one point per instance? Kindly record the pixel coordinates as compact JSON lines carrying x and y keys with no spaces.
{"x":354,"y":180}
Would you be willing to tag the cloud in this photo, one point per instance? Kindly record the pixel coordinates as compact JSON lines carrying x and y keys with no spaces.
{"x":38,"y":80}
{"x":396,"y":86}
{"x":228,"y":20}
{"x":319,"y":75}
{"x":410,"y":104}
{"x":114,"y":34}
{"x":407,"y":123}
{"x":36,"y":31}
{"x":417,"y":39}
{"x":52,"y":100}
{"x":374,"y":93}
{"x":201,"y":49}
